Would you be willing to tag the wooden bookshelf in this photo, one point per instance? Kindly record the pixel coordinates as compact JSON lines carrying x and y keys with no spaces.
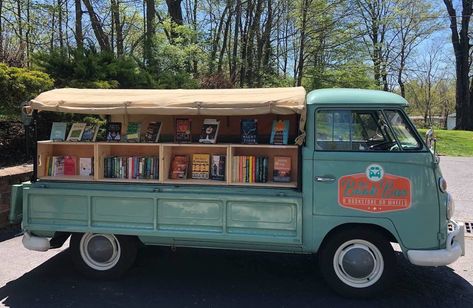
{"x":165,"y":152}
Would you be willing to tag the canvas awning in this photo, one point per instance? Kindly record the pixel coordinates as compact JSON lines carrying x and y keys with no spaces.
{"x":214,"y":102}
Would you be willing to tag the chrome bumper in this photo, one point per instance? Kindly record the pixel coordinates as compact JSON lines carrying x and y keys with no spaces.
{"x":455,"y":248}
{"x":35,"y":243}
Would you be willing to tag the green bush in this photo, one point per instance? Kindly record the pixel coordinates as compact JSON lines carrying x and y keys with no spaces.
{"x":18,"y":85}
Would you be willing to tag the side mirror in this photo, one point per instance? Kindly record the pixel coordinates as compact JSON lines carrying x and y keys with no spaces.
{"x":432,"y":143}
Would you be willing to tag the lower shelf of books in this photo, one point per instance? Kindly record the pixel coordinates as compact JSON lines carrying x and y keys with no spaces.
{"x":267,"y":184}
{"x":68,"y":178}
{"x":114,"y":180}
{"x":194,"y":181}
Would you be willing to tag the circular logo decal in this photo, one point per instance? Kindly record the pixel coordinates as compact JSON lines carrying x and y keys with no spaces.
{"x":375,"y":172}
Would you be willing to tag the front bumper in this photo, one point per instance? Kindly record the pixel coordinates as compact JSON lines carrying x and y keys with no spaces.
{"x":455,"y":248}
{"x":35,"y":243}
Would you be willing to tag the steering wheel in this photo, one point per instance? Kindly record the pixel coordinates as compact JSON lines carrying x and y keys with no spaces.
{"x":382,"y":145}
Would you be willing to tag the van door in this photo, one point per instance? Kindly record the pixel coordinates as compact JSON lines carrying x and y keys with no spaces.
{"x":370,"y":163}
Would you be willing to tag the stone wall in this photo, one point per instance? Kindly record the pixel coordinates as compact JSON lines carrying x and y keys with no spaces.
{"x":8,"y":177}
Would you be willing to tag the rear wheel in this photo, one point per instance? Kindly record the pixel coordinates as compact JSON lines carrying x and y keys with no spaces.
{"x":357,"y":262}
{"x":104,"y":256}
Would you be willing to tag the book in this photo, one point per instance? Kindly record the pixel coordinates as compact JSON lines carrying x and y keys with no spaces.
{"x":114,"y":131}
{"x":282,"y":169}
{"x":179,"y":167}
{"x":209,"y":131}
{"x":57,"y":166}
{"x":183,"y":131}
{"x":218,"y":167}
{"x":86,"y":166}
{"x":58,"y":131}
{"x":279,"y":132}
{"x":69,"y":165}
{"x":75,"y":134}
{"x":90,"y":133}
{"x":133,"y":132}
{"x":200,"y":166}
{"x":152,"y":132}
{"x":249,"y":131}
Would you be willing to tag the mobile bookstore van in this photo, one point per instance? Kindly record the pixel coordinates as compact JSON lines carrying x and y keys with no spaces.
{"x":344,"y":175}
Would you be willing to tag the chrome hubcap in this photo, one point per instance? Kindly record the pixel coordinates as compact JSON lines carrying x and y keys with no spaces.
{"x":100,"y":251}
{"x":358,"y":263}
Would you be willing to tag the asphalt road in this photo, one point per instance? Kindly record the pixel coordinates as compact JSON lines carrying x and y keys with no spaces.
{"x":209,"y":278}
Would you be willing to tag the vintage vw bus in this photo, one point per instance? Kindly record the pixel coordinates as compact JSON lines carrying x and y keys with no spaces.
{"x":361,"y":178}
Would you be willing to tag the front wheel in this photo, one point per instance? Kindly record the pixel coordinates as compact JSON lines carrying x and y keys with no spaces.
{"x":357,"y":262}
{"x":105,"y":256}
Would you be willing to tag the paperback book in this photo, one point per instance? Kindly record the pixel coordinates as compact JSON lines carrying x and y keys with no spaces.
{"x":152,"y":132}
{"x":58,"y":131}
{"x":183,"y":131}
{"x":69,"y":165}
{"x":133,"y":132}
{"x":282,"y":169}
{"x":200,"y":166}
{"x":250,"y":169}
{"x":218,"y":167}
{"x":280,"y":132}
{"x":75,"y":134}
{"x":209,"y":131}
{"x":132,"y":167}
{"x":86,"y":166}
{"x":249,"y":131}
{"x":179,"y":167}
{"x":114,"y":131}
{"x":90,"y":133}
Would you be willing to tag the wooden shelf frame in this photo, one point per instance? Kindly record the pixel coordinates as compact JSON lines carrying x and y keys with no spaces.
{"x":165,"y":151}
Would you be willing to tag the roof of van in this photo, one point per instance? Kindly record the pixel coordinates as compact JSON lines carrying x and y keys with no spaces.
{"x":354,"y":97}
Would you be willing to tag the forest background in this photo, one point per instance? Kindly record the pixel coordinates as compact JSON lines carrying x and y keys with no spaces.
{"x":403,"y":46}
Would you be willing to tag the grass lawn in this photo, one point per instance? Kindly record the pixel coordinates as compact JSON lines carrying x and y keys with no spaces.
{"x":453,"y":142}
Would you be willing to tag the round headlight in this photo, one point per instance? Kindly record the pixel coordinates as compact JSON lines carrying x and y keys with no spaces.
{"x":442,"y":184}
{"x":450,"y":206}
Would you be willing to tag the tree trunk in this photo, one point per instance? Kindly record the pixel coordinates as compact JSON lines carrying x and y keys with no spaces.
{"x":78,"y":25}
{"x":59,"y":22}
{"x":150,"y":30}
{"x":97,"y":26}
{"x":461,"y":47}
{"x":1,"y":33}
{"x":233,"y":66}
{"x":300,"y":64}
{"x":118,"y":26}
{"x":224,"y":42}
{"x":175,"y":11}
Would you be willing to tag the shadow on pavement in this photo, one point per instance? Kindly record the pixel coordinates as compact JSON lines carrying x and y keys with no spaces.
{"x":10,"y":232}
{"x":210,"y":278}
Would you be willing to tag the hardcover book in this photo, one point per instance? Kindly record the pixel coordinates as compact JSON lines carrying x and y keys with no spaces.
{"x":69,"y":165}
{"x":279,"y":132}
{"x":249,"y":131}
{"x":218,"y":167}
{"x":90,"y":133}
{"x":152,"y":132}
{"x":209,"y":131}
{"x":282,"y":169}
{"x":183,"y":131}
{"x":58,"y":131}
{"x":75,"y":134}
{"x":200,"y":166}
{"x":86,"y":166}
{"x":179,"y":167}
{"x":57,"y":166}
{"x":133,"y":132}
{"x":114,"y":131}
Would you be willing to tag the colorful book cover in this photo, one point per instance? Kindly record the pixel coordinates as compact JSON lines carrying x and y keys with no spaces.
{"x":133,"y":132}
{"x":200,"y":166}
{"x":280,"y":132}
{"x":75,"y":134}
{"x":90,"y":133}
{"x":282,"y":169}
{"x":153,"y":131}
{"x":183,"y":131}
{"x":86,"y":166}
{"x":58,"y":131}
{"x":218,"y":167}
{"x":249,"y":131}
{"x":69,"y":165}
{"x":114,"y":131}
{"x":179,"y":167}
{"x":58,"y":166}
{"x":209,"y":131}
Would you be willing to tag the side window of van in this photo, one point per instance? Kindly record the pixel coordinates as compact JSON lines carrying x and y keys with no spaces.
{"x":353,"y":130}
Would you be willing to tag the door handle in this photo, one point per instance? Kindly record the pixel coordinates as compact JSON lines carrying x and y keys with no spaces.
{"x":324,"y":179}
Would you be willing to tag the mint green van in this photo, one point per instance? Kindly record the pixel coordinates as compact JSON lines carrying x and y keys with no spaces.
{"x":361,"y":178}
